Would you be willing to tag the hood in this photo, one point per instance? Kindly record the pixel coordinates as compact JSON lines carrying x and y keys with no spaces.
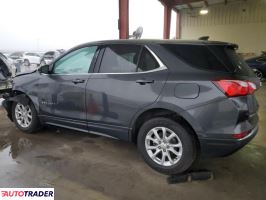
{"x":25,"y":73}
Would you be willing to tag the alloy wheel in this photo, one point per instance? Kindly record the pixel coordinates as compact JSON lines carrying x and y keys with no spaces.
{"x":163,"y":146}
{"x":23,"y":115}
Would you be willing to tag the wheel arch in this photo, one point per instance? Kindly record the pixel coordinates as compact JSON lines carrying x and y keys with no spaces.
{"x":17,"y":96}
{"x":180,"y":117}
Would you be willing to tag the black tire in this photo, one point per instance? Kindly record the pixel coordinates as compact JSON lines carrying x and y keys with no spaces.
{"x":189,"y":152}
{"x":35,"y":123}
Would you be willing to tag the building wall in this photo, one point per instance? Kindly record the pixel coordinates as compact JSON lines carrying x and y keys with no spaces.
{"x":240,"y":22}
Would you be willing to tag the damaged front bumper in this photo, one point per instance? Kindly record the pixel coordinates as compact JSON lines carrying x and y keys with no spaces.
{"x":9,"y":97}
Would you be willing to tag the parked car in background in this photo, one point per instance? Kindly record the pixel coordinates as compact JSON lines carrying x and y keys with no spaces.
{"x":27,"y":58}
{"x":177,"y":100}
{"x":10,"y":64}
{"x":5,"y":74}
{"x":258,"y":64}
{"x":50,"y":56}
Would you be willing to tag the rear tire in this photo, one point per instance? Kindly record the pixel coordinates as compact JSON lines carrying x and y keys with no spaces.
{"x":176,"y":151}
{"x":25,"y":117}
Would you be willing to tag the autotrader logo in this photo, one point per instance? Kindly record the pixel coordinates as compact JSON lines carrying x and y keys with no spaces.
{"x":26,"y":193}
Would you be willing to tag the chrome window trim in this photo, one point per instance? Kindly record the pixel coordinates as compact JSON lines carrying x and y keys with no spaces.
{"x":160,"y":68}
{"x":67,"y":74}
{"x":161,"y":65}
{"x":154,"y":70}
{"x":155,"y":56}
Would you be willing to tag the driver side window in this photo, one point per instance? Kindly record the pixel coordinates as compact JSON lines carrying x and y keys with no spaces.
{"x":76,"y":62}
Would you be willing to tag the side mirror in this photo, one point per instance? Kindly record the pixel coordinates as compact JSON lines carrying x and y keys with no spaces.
{"x":45,"y":69}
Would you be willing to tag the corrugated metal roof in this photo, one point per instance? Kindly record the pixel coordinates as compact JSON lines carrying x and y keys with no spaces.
{"x":188,"y":4}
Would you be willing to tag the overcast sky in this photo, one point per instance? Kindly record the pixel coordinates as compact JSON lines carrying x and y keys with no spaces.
{"x":38,"y":25}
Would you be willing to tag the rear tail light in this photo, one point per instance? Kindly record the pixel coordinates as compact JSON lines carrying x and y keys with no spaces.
{"x":241,"y":135}
{"x":233,"y":88}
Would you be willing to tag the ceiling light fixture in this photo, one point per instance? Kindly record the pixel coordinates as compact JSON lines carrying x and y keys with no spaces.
{"x":204,"y":11}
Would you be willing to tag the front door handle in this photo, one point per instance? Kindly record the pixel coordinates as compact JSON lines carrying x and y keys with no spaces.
{"x":77,"y":81}
{"x":144,"y":81}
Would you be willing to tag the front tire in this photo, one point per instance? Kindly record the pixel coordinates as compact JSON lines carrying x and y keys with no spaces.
{"x":166,"y":146}
{"x":25,"y":117}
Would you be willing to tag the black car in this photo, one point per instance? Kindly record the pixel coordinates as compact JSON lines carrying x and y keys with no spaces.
{"x":258,"y":64}
{"x":177,"y":100}
{"x":5,"y":75}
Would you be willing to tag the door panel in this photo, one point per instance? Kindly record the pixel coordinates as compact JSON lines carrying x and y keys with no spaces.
{"x":113,"y":99}
{"x":129,"y":78}
{"x":63,"y":100}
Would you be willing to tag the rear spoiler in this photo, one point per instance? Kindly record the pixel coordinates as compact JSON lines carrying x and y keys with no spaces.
{"x":205,"y":38}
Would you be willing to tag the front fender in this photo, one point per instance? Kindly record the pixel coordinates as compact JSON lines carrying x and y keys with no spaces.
{"x":8,"y":102}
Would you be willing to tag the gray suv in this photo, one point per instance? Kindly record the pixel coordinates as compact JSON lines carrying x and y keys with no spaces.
{"x":177,"y":100}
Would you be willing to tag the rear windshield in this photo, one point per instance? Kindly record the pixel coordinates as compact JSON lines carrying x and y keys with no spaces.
{"x":49,"y":54}
{"x":210,"y":57}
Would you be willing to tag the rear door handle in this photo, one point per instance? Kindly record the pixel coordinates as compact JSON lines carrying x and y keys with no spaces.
{"x":77,"y":81}
{"x":144,"y":81}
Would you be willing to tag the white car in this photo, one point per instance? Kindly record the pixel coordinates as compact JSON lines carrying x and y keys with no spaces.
{"x":50,"y":56}
{"x":9,"y":62}
{"x":27,"y":58}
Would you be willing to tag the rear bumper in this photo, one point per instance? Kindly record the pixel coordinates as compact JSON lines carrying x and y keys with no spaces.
{"x":223,"y":147}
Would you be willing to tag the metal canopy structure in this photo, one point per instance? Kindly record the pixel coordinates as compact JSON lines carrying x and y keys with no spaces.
{"x":169,"y":5}
{"x":123,"y":21}
{"x":178,"y":5}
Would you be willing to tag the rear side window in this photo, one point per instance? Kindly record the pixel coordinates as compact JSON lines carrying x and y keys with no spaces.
{"x":233,"y":62}
{"x":17,"y":54}
{"x":198,"y":56}
{"x":32,"y":54}
{"x":147,"y":61}
{"x":49,"y":54}
{"x":120,"y":58}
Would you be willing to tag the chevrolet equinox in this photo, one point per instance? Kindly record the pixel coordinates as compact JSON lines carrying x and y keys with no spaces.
{"x":177,"y":100}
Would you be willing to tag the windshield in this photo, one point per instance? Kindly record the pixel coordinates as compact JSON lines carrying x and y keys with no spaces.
{"x":16,"y":55}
